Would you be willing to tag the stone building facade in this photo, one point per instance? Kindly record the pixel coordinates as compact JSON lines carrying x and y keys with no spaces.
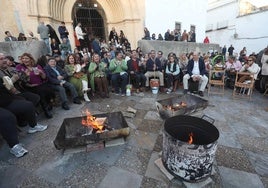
{"x":24,"y":16}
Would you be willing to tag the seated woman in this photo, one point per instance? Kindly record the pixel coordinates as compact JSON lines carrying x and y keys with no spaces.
{"x":77,"y":77}
{"x":98,"y":76}
{"x":37,"y":82}
{"x":183,"y":62}
{"x":172,"y":73}
{"x":207,"y":64}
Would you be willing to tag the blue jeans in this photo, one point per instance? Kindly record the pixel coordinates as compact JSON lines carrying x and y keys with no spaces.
{"x":119,"y":81}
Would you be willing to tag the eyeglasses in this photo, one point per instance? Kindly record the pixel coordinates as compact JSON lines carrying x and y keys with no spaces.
{"x":159,"y":54}
{"x":250,"y":60}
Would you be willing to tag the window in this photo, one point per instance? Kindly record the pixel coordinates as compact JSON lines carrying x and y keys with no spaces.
{"x":192,"y":28}
{"x":178,"y":26}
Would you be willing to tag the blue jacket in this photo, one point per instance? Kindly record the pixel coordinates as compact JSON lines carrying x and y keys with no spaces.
{"x":52,"y":75}
{"x":150,"y":64}
{"x":202,"y":67}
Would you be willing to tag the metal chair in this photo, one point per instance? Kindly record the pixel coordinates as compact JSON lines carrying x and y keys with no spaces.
{"x":216,"y":80}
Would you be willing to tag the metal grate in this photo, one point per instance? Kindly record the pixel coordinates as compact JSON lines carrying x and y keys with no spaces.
{"x":91,"y":20}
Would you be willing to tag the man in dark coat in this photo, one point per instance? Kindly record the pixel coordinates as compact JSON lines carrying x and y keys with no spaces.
{"x":196,"y":70}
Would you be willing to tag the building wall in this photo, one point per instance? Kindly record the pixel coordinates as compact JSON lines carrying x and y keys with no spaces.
{"x":7,"y":19}
{"x":161,"y":15}
{"x":250,"y":29}
{"x":176,"y":47}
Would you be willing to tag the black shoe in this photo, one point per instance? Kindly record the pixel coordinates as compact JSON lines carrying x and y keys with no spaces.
{"x":48,"y":114}
{"x":185,"y":91}
{"x":65,"y":106}
{"x":201,"y":93}
{"x":77,"y":100}
{"x":50,"y":107}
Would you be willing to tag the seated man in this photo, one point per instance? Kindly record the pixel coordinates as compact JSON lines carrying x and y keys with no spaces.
{"x":172,"y":74}
{"x":21,"y":108}
{"x":9,"y":132}
{"x":136,"y":69}
{"x":118,"y":67}
{"x":196,"y":70}
{"x":251,"y":67}
{"x":154,"y":69}
{"x":57,"y":79}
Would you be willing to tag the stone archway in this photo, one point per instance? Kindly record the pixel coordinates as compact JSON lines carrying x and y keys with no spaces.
{"x":92,"y":17}
{"x":126,"y":15}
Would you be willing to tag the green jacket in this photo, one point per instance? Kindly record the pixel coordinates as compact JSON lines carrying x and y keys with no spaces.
{"x":117,"y":66}
{"x":100,"y":72}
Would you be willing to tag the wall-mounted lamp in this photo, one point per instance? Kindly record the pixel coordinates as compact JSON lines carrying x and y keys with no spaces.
{"x":80,"y":4}
{"x":235,"y":35}
{"x":95,"y":5}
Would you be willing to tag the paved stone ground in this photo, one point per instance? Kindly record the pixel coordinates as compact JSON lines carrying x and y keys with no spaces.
{"x":241,"y":158}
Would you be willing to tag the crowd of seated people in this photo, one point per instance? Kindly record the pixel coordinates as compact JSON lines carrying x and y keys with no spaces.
{"x":39,"y":82}
{"x":111,"y":67}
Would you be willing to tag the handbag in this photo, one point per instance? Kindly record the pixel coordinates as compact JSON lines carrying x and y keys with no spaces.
{"x":78,"y":75}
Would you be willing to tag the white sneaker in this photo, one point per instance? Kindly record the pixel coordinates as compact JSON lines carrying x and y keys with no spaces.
{"x":86,"y":97}
{"x":169,"y":90}
{"x":18,"y":150}
{"x":37,"y":128}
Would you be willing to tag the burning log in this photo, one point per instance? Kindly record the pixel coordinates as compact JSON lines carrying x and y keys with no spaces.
{"x":180,"y":105}
{"x":176,"y":106}
{"x":72,"y":133}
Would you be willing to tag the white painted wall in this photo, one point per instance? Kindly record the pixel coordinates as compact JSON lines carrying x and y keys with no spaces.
{"x":161,"y":15}
{"x":250,"y":28}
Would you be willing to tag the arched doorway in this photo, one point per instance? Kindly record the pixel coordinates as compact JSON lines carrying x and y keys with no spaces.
{"x":91,"y":16}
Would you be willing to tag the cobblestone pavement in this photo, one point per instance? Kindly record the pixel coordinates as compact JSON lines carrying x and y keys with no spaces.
{"x":241,"y":158}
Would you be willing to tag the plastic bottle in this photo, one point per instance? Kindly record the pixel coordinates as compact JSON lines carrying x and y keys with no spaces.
{"x":128,"y":92}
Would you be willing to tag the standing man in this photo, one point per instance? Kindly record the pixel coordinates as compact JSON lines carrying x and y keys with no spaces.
{"x":63,"y":31}
{"x":80,"y":35}
{"x":196,"y":70}
{"x":231,"y":50}
{"x":223,"y":51}
{"x":9,"y":37}
{"x":43,"y":31}
{"x":193,"y":36}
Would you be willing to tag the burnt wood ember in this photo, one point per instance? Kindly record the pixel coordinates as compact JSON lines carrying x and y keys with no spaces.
{"x":72,"y":133}
{"x":180,"y":105}
{"x":189,"y":162}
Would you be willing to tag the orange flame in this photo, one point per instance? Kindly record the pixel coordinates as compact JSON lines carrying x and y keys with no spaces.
{"x":90,"y":121}
{"x":191,"y":139}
